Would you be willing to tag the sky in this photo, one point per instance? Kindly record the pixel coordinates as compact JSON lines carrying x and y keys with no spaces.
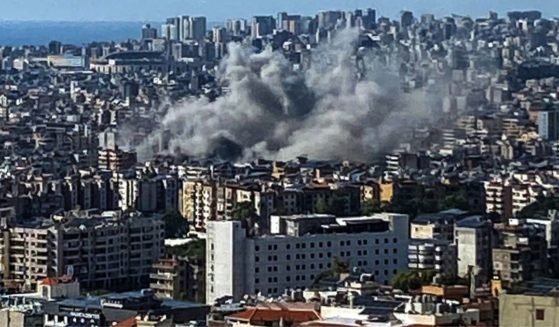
{"x":218,"y":10}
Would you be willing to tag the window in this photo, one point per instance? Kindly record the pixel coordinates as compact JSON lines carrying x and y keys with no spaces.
{"x":256,"y":259}
{"x":395,"y":240}
{"x":540,"y":314}
{"x":257,"y":270}
{"x":288,"y":246}
{"x":385,"y":240}
{"x":288,"y":257}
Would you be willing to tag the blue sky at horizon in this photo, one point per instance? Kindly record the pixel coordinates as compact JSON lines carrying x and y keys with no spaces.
{"x":218,"y":10}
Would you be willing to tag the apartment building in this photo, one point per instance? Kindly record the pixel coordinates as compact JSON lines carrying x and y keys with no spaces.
{"x":439,"y":226}
{"x":473,"y":239}
{"x":116,"y":159}
{"x":180,"y":278}
{"x":105,"y":250}
{"x":298,"y":249}
{"x":498,"y":197}
{"x":433,"y":256}
{"x":197,"y":202}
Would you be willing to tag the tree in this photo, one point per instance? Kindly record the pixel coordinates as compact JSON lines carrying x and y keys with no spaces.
{"x":411,"y":280}
{"x":372,"y":206}
{"x":243,"y":211}
{"x":321,"y":206}
{"x":175,"y":225}
{"x":340,"y":267}
{"x":195,"y":250}
{"x":540,"y":207}
{"x":458,"y":201}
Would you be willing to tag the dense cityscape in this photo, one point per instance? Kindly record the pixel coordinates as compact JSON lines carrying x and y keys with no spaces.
{"x":341,"y":169}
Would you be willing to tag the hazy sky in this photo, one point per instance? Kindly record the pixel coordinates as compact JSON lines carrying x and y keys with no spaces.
{"x":217,"y":10}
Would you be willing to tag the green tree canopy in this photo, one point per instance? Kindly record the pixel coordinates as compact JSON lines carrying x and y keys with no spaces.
{"x":175,"y":225}
{"x":411,"y":280}
{"x":243,"y":210}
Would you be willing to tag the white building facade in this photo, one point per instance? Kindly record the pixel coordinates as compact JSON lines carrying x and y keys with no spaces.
{"x":238,"y":264}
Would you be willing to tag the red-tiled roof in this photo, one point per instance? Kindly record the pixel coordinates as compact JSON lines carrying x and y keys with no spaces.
{"x":130,"y":322}
{"x":276,"y":314}
{"x":49,"y":281}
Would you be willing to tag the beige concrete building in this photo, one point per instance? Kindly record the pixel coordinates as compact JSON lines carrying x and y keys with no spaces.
{"x":541,"y":310}
{"x":197,"y":202}
{"x":102,"y":250}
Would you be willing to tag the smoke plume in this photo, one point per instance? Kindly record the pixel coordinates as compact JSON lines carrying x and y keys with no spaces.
{"x":335,"y":109}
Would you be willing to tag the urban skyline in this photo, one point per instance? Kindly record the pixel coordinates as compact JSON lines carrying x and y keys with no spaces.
{"x":219,"y":10}
{"x":338,"y":169}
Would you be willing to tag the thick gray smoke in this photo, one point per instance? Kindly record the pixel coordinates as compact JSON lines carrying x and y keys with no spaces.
{"x":329,"y":111}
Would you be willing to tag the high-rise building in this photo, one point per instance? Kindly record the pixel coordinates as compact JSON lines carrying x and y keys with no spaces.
{"x":171,"y":30}
{"x":406,"y":19}
{"x":328,"y":19}
{"x":236,"y":27}
{"x":300,"y":248}
{"x":262,"y":25}
{"x":197,"y":28}
{"x":219,"y":35}
{"x":548,"y":124}
{"x":149,"y":32}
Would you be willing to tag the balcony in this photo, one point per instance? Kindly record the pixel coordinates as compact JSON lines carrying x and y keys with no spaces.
{"x":161,"y":287}
{"x":165,"y":277}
